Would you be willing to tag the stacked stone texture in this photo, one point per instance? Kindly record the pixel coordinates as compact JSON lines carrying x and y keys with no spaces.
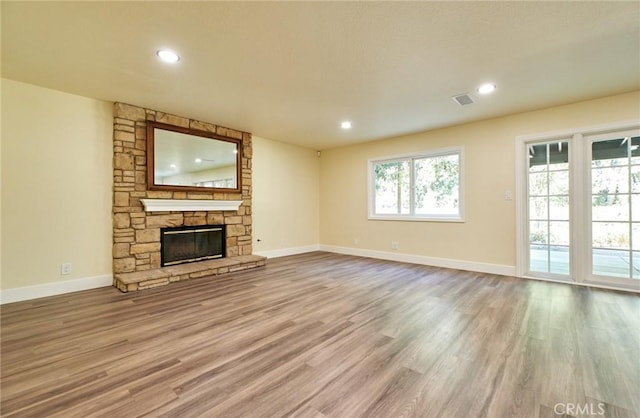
{"x":136,"y":233}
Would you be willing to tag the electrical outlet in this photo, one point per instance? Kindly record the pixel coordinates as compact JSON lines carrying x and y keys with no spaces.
{"x":65,"y":268}
{"x":355,"y":241}
{"x":508,"y":195}
{"x":395,"y":245}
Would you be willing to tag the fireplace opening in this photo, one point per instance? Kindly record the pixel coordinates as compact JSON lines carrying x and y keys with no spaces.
{"x":186,"y":244}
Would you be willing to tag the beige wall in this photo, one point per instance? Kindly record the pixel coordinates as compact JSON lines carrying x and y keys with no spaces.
{"x":58,"y":208}
{"x":488,"y":234}
{"x":56,"y":185}
{"x":285,"y":195}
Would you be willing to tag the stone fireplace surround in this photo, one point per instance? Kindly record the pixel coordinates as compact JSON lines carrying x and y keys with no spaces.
{"x":136,"y":232}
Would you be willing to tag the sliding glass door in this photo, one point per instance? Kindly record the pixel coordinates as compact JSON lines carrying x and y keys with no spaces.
{"x":615,"y":208}
{"x":579,"y":206}
{"x":548,"y":199}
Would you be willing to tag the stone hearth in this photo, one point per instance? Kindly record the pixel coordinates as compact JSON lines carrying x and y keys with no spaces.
{"x":147,"y":279}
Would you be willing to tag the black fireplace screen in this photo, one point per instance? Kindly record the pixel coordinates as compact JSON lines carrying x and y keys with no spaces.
{"x":186,"y":244}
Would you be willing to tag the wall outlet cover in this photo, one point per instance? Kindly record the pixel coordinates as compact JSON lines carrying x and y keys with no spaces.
{"x":65,"y":268}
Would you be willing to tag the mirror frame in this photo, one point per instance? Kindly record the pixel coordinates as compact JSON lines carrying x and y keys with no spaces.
{"x":151,"y":185}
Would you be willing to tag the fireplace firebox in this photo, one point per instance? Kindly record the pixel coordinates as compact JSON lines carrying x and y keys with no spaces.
{"x":187,"y":244}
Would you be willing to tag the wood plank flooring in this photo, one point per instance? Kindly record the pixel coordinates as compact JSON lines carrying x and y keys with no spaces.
{"x":325,"y":335}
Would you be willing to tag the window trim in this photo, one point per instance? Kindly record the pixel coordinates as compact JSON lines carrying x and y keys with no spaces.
{"x":459,"y":150}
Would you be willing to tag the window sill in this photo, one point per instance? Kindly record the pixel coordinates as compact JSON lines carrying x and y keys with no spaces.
{"x":414,"y":219}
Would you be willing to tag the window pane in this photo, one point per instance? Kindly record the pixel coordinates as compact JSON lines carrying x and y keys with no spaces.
{"x":559,"y":209}
{"x":610,"y":206}
{"x":538,"y":208}
{"x":420,"y":187}
{"x":538,"y":233}
{"x":548,"y":188}
{"x":559,"y":233}
{"x":437,"y":182}
{"x":539,"y":258}
{"x":559,"y":156}
{"x":538,"y":184}
{"x":635,"y":150}
{"x":537,"y":158}
{"x":635,"y":179}
{"x":392,"y":188}
{"x":559,"y":182}
{"x":606,"y":207}
{"x":559,"y":260}
{"x":610,"y":180}
{"x":636,"y":265}
{"x":635,"y":207}
{"x":635,"y":238}
{"x":610,"y":235}
{"x":609,"y":153}
{"x":611,"y":263}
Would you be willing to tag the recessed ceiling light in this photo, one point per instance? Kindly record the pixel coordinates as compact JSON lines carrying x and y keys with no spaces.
{"x":486,"y":88}
{"x":198,"y":160}
{"x":168,"y":56}
{"x":345,"y":125}
{"x":173,"y":166}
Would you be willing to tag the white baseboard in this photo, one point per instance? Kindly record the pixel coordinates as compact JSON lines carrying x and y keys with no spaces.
{"x":51,"y":289}
{"x":288,"y":251}
{"x":500,"y":269}
{"x":57,"y":288}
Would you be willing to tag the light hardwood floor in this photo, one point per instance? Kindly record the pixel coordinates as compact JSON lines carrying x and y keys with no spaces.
{"x":320,"y":335}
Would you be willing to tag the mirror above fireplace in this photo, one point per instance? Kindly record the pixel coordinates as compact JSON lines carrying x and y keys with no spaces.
{"x":183,"y":159}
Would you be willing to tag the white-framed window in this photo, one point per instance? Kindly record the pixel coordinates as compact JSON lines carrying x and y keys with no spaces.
{"x":578,"y":205}
{"x":426,"y":186}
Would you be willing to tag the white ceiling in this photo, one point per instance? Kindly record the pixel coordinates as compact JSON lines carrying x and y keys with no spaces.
{"x":292,"y":71}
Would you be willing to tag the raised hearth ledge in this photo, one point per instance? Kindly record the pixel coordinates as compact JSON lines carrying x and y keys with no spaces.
{"x":189,"y":205}
{"x":146,"y":279}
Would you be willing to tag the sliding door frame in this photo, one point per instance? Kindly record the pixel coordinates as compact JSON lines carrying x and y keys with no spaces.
{"x":579,"y":213}
{"x":590,"y":277}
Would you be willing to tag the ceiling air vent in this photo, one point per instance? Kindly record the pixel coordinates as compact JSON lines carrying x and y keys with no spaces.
{"x":463,"y":99}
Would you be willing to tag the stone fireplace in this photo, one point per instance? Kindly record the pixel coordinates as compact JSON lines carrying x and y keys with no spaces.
{"x":137,"y":260}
